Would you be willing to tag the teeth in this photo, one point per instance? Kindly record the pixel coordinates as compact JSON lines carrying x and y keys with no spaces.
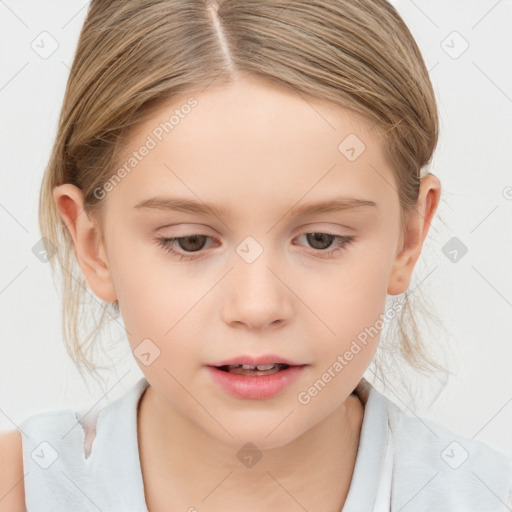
{"x":265,"y":366}
{"x":247,"y":369}
{"x":259,"y":366}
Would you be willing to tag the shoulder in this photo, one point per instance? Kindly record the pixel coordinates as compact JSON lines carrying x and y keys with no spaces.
{"x":12,"y":488}
{"x":446,"y":468}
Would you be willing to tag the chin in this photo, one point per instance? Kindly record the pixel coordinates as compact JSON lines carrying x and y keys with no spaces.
{"x":262,"y":434}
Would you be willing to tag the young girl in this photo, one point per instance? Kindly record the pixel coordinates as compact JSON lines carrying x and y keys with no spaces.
{"x":244,"y":182}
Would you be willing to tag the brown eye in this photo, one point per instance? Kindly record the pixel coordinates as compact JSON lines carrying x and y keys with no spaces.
{"x":326,"y":244}
{"x":191,"y":243}
{"x":320,"y":240}
{"x":188,"y":246}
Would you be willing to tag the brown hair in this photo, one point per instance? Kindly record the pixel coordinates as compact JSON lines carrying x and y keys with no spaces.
{"x":134,"y":54}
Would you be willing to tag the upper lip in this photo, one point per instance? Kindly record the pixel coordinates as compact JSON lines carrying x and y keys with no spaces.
{"x":256,"y":360}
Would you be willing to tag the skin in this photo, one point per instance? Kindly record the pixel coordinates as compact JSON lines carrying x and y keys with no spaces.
{"x":259,"y":151}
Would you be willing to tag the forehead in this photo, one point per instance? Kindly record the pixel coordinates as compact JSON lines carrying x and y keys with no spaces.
{"x":248,"y":141}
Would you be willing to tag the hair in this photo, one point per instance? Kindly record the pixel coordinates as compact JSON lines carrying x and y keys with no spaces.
{"x":134,"y":55}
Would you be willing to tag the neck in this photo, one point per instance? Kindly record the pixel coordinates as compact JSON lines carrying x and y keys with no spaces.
{"x":203,"y":473}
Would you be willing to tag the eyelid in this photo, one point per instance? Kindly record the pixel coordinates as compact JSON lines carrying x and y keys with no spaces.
{"x":168,"y":244}
{"x":186,"y":229}
{"x":329,"y":228}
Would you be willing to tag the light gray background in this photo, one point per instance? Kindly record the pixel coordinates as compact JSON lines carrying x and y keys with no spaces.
{"x":472,"y":295}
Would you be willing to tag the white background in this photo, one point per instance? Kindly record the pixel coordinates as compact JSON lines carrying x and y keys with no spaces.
{"x":473,"y":296}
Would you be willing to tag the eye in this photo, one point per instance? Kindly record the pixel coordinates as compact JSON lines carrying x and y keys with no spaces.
{"x":194,"y":243}
{"x":321,"y":241}
{"x":190,"y":243}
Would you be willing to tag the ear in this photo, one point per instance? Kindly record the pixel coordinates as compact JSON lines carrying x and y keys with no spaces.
{"x":89,"y":249}
{"x":411,"y":241}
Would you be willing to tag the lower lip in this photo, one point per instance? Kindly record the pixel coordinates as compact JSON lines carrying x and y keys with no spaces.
{"x":255,"y":387}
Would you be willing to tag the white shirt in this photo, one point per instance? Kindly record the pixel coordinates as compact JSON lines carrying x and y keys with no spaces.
{"x":403,"y":464}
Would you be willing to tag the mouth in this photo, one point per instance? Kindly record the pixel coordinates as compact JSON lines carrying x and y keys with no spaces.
{"x":249,"y":370}
{"x":252,"y":378}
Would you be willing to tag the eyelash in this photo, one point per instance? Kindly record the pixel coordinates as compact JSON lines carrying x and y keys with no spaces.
{"x":168,"y":243}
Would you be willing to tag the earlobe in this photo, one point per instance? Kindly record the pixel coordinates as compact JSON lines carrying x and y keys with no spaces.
{"x":89,"y":250}
{"x":417,"y":227}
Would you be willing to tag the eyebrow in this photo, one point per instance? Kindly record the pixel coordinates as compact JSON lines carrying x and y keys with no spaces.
{"x":182,"y":204}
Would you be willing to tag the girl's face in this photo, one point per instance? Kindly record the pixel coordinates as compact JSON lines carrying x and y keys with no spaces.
{"x":247,"y":163}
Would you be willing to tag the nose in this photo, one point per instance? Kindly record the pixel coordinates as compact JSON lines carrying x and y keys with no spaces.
{"x":257,"y":294}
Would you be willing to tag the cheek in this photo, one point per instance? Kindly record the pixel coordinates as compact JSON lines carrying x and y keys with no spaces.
{"x":350,"y":305}
{"x":155,"y":296}
{"x":354,"y":293}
